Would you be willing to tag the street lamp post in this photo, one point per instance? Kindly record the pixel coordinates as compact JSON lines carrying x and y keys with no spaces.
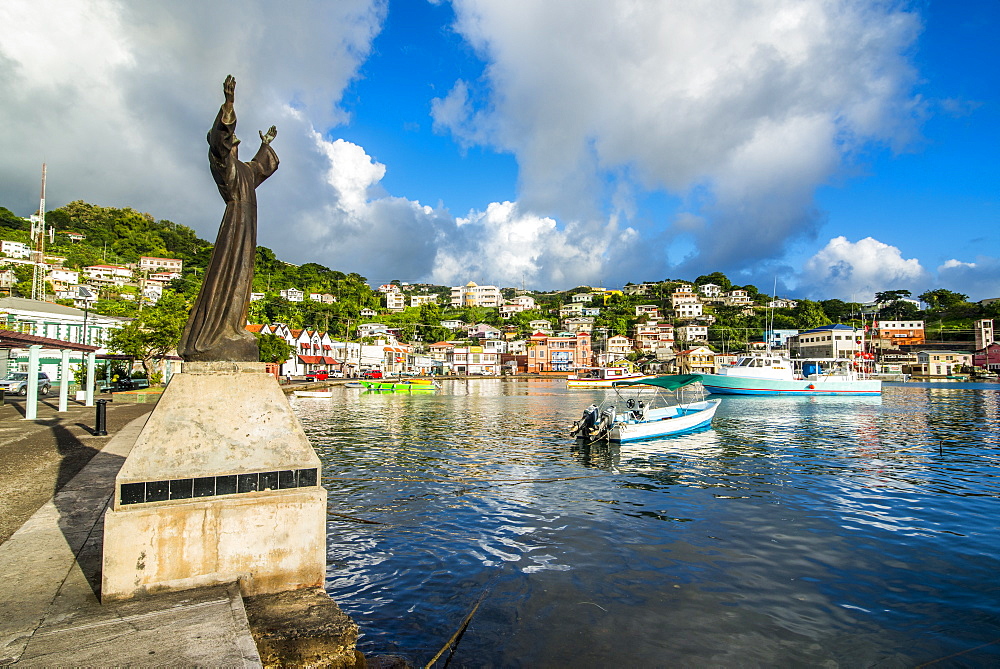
{"x":86,"y":295}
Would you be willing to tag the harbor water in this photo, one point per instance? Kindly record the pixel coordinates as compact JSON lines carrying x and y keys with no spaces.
{"x":824,"y":531}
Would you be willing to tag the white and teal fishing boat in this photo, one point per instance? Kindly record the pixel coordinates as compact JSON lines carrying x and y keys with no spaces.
{"x":771,"y":374}
{"x":648,"y":408}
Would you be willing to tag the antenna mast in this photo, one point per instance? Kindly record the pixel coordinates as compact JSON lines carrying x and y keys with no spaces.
{"x":38,"y":255}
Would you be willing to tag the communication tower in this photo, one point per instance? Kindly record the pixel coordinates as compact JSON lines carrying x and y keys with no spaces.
{"x":38,"y":254}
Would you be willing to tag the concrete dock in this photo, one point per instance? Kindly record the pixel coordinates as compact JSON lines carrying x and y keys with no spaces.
{"x":59,"y":479}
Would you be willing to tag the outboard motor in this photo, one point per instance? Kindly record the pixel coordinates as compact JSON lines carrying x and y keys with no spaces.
{"x":586,"y":422}
{"x":604,"y":425}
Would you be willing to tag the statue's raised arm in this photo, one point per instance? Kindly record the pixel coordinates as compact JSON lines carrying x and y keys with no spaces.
{"x":216,"y":329}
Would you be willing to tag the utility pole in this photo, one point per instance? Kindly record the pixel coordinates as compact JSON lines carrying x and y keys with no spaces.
{"x":38,"y":255}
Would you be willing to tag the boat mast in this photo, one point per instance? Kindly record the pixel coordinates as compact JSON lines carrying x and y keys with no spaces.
{"x":38,"y":255}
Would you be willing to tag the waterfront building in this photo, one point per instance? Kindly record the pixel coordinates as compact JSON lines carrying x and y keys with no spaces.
{"x":517,"y":347}
{"x":893,"y":334}
{"x":612,"y":349}
{"x":828,"y":341}
{"x":988,"y":358}
{"x":558,"y":353}
{"x":52,"y":321}
{"x":438,"y":352}
{"x":940,"y":363}
{"x":984,"y":333}
{"x":474,"y":360}
{"x":698,"y":360}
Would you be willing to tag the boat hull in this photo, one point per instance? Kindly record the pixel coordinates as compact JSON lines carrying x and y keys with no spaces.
{"x":602,"y":383}
{"x":396,"y":386}
{"x":695,"y":416}
{"x":314,"y":393}
{"x":719,"y":384}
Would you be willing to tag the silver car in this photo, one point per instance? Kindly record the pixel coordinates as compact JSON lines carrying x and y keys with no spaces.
{"x":18,"y":383}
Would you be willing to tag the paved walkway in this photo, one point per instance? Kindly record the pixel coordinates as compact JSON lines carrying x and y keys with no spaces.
{"x":50,"y":614}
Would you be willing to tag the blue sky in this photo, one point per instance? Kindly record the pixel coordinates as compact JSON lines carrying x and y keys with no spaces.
{"x":840,"y":147}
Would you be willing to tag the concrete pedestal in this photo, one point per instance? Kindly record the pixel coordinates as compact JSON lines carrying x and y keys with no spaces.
{"x":221,"y":485}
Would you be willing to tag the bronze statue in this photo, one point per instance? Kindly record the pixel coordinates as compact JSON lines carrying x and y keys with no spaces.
{"x":216,"y":329}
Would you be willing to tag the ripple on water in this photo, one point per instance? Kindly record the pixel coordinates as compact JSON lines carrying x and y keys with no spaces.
{"x":852,"y":531}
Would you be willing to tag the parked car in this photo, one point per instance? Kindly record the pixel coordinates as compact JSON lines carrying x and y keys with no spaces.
{"x":321,"y":375}
{"x":18,"y":383}
{"x":371,"y":374}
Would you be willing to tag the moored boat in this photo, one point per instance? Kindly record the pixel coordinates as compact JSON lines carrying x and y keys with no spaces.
{"x":314,"y":393}
{"x":648,"y":408}
{"x":602,"y":377}
{"x":408,"y":385}
{"x":771,"y":374}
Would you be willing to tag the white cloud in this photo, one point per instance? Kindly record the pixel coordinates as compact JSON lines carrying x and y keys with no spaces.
{"x":747,"y":105}
{"x":979,"y":280}
{"x":740,"y":108}
{"x":953,"y":264}
{"x":117,"y":98}
{"x":855,"y":271}
{"x":386,"y":237}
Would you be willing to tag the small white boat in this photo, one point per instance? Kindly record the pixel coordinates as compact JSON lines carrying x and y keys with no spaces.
{"x":648,"y":408}
{"x":602,"y":377}
{"x":314,"y":393}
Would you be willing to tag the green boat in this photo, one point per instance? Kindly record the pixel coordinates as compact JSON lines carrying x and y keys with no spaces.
{"x":405,"y":385}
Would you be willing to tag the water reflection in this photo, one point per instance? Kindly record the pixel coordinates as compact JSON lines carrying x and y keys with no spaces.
{"x":851,"y":531}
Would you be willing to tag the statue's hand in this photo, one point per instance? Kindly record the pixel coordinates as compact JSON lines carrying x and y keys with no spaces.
{"x":272,"y":132}
{"x":229,"y":88}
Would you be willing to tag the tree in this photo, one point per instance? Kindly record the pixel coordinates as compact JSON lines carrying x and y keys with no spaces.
{"x":809,"y":315}
{"x":273,"y":348}
{"x":942,"y":298}
{"x":887,"y":296}
{"x":718,"y":278}
{"x":838,"y":310}
{"x":154,"y":332}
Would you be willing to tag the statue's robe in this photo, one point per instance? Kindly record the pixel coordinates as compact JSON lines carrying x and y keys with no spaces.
{"x":216,"y":329}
